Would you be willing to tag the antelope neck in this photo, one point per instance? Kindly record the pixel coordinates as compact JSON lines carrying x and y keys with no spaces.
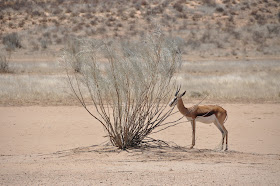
{"x":185,"y":111}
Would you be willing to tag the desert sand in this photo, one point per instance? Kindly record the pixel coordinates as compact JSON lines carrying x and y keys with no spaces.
{"x":66,"y":146}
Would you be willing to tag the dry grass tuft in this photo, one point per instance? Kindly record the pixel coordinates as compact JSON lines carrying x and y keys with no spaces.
{"x":4,"y":64}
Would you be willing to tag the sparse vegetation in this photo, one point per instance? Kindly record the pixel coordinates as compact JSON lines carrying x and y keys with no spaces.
{"x":103,"y":19}
{"x":130,"y":90}
{"x":219,"y":9}
{"x":12,"y":41}
{"x":209,"y":2}
{"x":178,"y":6}
{"x":210,"y":29}
{"x":4,"y":64}
{"x":73,"y":47}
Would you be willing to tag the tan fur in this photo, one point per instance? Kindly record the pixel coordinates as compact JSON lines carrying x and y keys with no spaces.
{"x":194,"y":112}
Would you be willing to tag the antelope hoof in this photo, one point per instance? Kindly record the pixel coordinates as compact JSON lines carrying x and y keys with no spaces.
{"x":191,"y":147}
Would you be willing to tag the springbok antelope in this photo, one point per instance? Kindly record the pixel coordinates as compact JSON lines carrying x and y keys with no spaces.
{"x":204,"y":114}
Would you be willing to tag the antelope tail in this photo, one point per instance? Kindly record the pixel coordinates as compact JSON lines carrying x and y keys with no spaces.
{"x":226,"y":117}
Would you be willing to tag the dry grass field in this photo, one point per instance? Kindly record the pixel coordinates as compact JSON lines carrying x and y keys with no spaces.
{"x":230,"y":53}
{"x":255,"y":80}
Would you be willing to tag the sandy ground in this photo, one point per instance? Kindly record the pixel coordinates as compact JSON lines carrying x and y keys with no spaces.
{"x":65,"y":146}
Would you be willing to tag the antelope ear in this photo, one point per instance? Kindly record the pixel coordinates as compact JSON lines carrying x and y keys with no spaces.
{"x":183,"y":94}
{"x":177,"y":91}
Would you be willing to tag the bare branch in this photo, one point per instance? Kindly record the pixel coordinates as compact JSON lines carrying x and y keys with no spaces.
{"x":128,"y":90}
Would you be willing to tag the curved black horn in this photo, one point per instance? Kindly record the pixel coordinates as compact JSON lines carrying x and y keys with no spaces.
{"x":178,"y":90}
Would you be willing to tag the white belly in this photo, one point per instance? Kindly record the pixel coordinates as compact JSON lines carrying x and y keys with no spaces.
{"x":207,"y":120}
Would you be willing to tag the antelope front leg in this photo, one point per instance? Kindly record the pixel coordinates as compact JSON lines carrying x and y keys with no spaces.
{"x":193,"y":133}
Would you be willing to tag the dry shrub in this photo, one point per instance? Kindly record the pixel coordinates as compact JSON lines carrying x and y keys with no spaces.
{"x":12,"y":41}
{"x":44,"y":43}
{"x":132,"y":13}
{"x":93,"y":22}
{"x":57,"y":11}
{"x":129,"y":90}
{"x":210,"y":2}
{"x":219,"y":9}
{"x":34,"y":45}
{"x":258,"y":37}
{"x":144,"y":3}
{"x":101,"y":30}
{"x":178,"y":6}
{"x":273,"y":30}
{"x":68,"y":10}
{"x":4,"y":64}
{"x":73,"y":47}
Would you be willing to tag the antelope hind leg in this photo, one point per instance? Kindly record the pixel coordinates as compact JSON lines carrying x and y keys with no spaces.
{"x":218,"y":125}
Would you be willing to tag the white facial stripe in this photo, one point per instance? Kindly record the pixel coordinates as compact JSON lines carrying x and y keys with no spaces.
{"x":173,"y":102}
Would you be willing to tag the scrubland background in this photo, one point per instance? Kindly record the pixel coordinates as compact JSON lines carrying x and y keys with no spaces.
{"x":230,"y":48}
{"x":231,"y":52}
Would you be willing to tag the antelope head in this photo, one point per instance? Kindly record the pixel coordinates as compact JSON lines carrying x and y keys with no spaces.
{"x":174,"y":101}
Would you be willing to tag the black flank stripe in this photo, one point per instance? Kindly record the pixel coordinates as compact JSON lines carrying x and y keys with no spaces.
{"x":206,"y":114}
